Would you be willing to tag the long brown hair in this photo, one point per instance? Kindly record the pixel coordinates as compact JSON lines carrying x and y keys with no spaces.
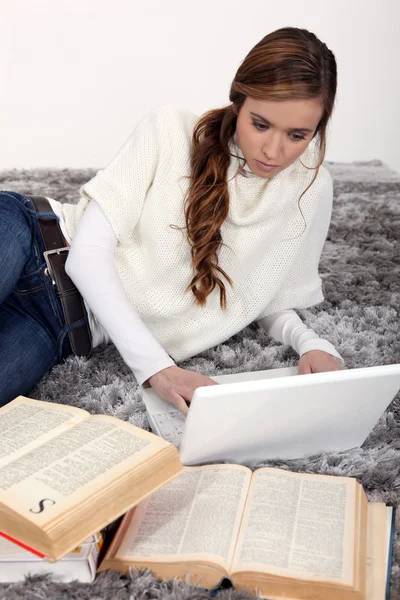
{"x":286,"y":64}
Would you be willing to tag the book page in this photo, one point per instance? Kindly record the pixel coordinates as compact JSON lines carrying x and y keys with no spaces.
{"x":25,"y":423}
{"x":389,"y":542}
{"x":298,"y":525}
{"x":377,"y":552}
{"x":194,"y":517}
{"x":42,"y":483}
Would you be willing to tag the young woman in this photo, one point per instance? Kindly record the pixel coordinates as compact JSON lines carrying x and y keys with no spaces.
{"x":197,"y":228}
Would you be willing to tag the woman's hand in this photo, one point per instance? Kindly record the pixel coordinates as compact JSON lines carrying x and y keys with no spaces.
{"x":177,"y":385}
{"x":317,"y":361}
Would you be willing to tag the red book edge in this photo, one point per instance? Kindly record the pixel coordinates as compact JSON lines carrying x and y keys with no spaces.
{"x":24,"y":546}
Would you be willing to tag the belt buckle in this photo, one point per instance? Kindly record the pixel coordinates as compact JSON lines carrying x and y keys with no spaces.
{"x":46,"y":253}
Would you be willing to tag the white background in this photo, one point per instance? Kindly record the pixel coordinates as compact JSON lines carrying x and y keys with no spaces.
{"x":77,"y":75}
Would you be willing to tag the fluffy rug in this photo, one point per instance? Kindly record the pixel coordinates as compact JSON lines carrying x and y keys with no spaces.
{"x":360,"y":268}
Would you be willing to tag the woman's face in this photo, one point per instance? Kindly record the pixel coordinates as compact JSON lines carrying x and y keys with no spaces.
{"x":275,"y":132}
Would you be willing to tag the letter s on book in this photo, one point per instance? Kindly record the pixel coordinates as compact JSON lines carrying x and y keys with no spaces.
{"x":42,"y":506}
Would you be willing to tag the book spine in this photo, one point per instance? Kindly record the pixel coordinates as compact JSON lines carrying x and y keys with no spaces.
{"x":92,"y":559}
{"x":24,"y":546}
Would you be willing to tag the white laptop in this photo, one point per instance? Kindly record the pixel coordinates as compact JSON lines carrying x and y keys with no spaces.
{"x":277,"y":413}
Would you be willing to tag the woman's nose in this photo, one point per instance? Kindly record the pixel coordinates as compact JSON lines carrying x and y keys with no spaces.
{"x":271,"y":147}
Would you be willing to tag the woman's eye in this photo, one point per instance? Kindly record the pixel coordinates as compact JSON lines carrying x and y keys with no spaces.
{"x":259,"y":126}
{"x":296,"y":137}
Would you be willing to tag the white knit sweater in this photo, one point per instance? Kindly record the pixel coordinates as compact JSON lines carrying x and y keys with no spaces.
{"x":271,"y":259}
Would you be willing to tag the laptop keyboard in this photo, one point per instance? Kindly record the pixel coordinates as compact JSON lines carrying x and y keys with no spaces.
{"x":171,"y":425}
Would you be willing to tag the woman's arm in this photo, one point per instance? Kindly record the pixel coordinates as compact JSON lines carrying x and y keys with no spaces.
{"x":287,"y":327}
{"x":91,"y":267}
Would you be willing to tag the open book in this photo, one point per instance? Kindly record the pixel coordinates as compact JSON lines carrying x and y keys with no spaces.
{"x":272,"y":532}
{"x":65,"y":474}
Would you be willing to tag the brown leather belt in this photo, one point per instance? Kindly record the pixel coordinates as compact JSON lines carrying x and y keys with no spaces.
{"x":56,"y":253}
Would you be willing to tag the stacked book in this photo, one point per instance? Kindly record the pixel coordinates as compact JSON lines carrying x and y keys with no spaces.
{"x":17,"y":560}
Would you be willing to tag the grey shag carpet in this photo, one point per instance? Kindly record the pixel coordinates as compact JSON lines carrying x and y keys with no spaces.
{"x":360,"y":268}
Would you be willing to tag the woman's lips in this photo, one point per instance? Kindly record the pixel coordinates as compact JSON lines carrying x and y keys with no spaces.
{"x":265,"y":167}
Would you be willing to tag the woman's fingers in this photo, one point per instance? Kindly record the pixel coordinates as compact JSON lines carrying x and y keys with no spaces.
{"x":180,"y":397}
{"x":177,"y":385}
{"x":179,"y":402}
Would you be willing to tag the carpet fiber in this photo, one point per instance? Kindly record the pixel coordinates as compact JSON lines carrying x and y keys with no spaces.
{"x":360,"y":268}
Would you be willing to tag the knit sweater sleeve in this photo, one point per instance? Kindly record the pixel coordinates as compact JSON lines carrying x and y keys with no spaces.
{"x":120,"y":188}
{"x":303,"y":285}
{"x":287,"y":327}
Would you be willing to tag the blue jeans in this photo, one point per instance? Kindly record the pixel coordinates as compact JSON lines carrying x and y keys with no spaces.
{"x":33,"y":336}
